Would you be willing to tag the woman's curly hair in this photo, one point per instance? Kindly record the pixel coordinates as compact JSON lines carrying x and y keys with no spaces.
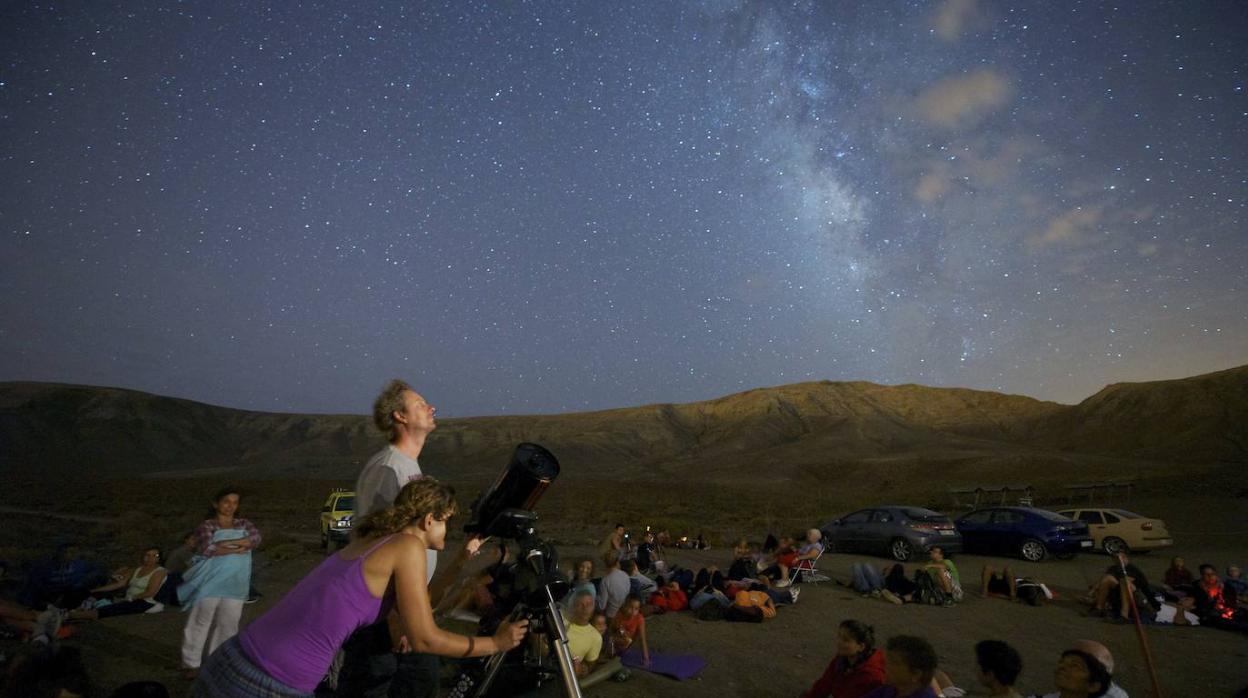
{"x":417,"y":499}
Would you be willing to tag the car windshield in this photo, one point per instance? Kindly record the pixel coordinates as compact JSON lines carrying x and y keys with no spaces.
{"x":345,"y":504}
{"x":1126,"y":514}
{"x":922,"y":514}
{"x":1049,"y":515}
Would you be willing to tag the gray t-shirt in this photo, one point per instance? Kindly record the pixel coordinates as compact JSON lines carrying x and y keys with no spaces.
{"x":379,"y":483}
{"x":612,"y":591}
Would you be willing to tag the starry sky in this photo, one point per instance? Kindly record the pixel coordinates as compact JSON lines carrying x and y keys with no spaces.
{"x":531,"y":207}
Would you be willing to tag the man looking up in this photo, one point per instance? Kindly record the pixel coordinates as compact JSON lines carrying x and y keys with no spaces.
{"x":377,"y":662}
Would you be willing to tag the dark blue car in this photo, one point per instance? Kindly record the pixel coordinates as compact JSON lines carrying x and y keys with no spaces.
{"x":1027,"y":532}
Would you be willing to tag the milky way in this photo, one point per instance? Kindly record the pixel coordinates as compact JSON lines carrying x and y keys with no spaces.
{"x":534,"y":207}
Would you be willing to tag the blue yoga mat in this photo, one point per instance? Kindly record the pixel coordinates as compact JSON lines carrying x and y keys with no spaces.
{"x":677,"y":666}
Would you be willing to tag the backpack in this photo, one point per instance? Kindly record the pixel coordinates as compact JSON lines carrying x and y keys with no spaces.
{"x":928,"y":591}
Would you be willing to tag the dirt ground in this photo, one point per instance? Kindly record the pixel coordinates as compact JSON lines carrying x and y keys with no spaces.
{"x":783,"y":656}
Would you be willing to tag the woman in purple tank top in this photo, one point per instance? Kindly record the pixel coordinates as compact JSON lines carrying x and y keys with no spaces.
{"x":287,"y":651}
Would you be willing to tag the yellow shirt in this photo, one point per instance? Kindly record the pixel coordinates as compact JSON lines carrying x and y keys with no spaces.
{"x":584,"y":642}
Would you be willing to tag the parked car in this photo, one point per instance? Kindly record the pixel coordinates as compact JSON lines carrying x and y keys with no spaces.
{"x":336,"y":517}
{"x":1118,"y":530}
{"x":894,"y":531}
{"x":1027,"y":532}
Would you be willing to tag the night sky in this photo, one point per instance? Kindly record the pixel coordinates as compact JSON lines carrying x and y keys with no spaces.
{"x":535,"y":207}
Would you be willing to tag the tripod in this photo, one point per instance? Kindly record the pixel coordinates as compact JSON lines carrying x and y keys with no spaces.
{"x":541,"y":603}
{"x":559,"y":640}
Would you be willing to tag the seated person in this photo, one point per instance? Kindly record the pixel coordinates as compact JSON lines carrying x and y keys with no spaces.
{"x":999,"y":667}
{"x":909,"y":668}
{"x":602,"y":625}
{"x":1101,"y":656}
{"x":585,"y":643}
{"x":1080,"y":675}
{"x":1179,"y":613}
{"x":856,"y":669}
{"x":647,"y":553}
{"x":140,"y":583}
{"x":614,"y":586}
{"x":1209,"y":596}
{"x":944,"y":572}
{"x":1005,"y":583}
{"x":784,"y":551}
{"x":639,"y":584}
{"x":628,"y":629}
{"x":1178,"y":579}
{"x":1234,"y":586}
{"x":64,"y":580}
{"x":613,"y":541}
{"x":176,"y":564}
{"x":810,"y":550}
{"x":582,"y":580}
{"x":1106,"y":596}
{"x":744,"y":562}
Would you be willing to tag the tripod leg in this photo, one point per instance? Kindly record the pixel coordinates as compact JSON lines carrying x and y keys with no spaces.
{"x":554,"y":621}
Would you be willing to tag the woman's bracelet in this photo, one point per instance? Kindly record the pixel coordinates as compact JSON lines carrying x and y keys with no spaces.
{"x":472,"y":643}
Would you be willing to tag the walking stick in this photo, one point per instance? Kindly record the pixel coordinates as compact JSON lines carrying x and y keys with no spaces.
{"x":1139,"y":630}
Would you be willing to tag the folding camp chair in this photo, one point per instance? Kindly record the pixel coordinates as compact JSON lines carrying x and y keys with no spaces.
{"x":807,"y":571}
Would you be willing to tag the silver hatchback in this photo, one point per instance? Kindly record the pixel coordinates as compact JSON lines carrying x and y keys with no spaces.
{"x":898,"y":532}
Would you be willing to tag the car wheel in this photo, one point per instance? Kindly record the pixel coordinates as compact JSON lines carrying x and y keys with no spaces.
{"x":1114,"y":545}
{"x":1032,"y":550}
{"x":901,"y":549}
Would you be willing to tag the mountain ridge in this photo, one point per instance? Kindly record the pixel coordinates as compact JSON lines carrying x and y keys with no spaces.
{"x":788,"y":429}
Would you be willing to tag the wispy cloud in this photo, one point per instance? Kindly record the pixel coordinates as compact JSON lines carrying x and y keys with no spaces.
{"x":954,"y":17}
{"x":1072,"y":227}
{"x":963,"y":100}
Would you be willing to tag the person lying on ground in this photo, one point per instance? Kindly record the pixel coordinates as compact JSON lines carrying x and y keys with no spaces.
{"x":64,"y":579}
{"x":898,"y":584}
{"x":944,"y":572}
{"x":614,"y":586}
{"x":856,"y":669}
{"x":708,"y":586}
{"x":141,"y":585}
{"x":1005,"y":583}
{"x":810,"y":550}
{"x":380,"y":574}
{"x":669,"y":598}
{"x":866,"y":580}
{"x":628,"y":629}
{"x":909,"y":667}
{"x":40,"y":627}
{"x":999,"y":667}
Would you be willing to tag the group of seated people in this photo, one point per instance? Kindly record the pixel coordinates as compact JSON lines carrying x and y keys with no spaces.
{"x":1124,"y":592}
{"x":907,"y":666}
{"x":69,"y":587}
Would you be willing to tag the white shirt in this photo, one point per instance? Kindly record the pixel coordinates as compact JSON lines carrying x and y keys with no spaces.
{"x":379,"y":483}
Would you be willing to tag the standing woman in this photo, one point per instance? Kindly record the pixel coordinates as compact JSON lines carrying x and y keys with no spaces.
{"x":214,"y":588}
{"x":380,"y":575}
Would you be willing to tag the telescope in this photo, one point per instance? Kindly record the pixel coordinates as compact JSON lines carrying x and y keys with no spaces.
{"x":505,"y":509}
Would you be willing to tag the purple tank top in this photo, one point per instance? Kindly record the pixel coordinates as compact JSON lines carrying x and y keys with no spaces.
{"x":295,"y":641}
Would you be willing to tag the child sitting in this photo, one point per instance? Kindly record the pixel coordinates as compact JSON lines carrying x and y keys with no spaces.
{"x":629,"y":628}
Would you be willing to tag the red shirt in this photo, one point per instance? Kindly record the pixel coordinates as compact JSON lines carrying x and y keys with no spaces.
{"x":850,"y":683}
